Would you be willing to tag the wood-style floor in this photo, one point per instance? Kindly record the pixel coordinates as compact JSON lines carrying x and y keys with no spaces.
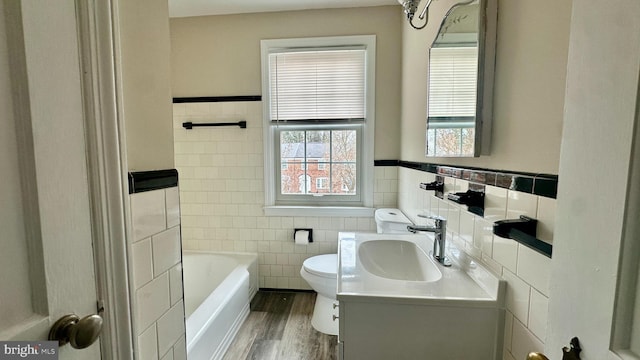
{"x":279,"y":328}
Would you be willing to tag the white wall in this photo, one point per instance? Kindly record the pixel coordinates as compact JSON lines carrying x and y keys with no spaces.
{"x":220,"y":55}
{"x":600,"y":115}
{"x":145,"y":83}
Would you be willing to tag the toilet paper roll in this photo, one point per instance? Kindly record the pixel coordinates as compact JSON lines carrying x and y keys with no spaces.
{"x":302,"y":237}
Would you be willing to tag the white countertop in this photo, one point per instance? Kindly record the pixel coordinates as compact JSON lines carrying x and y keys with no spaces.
{"x":465,"y":283}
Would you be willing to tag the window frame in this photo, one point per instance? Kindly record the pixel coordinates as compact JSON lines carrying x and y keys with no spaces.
{"x":317,"y":206}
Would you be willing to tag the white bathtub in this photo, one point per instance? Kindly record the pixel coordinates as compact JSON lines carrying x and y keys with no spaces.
{"x":217,"y":291}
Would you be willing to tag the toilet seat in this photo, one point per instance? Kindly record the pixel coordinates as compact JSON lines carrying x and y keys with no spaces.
{"x":325,"y":266}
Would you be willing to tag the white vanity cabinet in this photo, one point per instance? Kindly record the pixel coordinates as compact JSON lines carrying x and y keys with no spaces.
{"x":404,"y":331}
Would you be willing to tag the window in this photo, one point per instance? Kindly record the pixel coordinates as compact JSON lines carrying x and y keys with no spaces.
{"x":322,"y":183}
{"x":319,"y":117}
{"x":452,"y":100}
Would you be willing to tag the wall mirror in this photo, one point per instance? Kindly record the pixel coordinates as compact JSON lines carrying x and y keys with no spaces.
{"x":460,"y":84}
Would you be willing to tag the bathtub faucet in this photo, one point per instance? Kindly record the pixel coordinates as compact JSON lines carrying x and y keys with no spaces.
{"x":439,"y":243}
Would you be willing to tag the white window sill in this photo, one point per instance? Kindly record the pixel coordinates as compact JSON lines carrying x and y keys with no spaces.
{"x":340,"y":211}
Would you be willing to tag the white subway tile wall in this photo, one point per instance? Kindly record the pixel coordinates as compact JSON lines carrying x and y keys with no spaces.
{"x":148,"y":344}
{"x":508,"y":333}
{"x":546,"y":216}
{"x":170,"y":328}
{"x":142,"y":263}
{"x":166,"y":250}
{"x":505,"y":252}
{"x":523,"y":341}
{"x":148,"y":214}
{"x":525,"y":271}
{"x":534,"y":268}
{"x":222,"y":195}
{"x":175,"y":283}
{"x":153,"y":300}
{"x":519,"y":203}
{"x":538,"y":313}
{"x":495,"y":203}
{"x":158,"y":309}
{"x":180,"y":349}
{"x":517,"y":296}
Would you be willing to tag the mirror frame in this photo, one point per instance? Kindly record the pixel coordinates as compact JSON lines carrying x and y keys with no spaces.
{"x":487,"y":39}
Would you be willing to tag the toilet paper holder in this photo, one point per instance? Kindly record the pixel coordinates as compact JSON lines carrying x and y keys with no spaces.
{"x":310,"y":231}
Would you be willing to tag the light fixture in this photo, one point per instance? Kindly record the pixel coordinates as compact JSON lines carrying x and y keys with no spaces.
{"x":411,"y":7}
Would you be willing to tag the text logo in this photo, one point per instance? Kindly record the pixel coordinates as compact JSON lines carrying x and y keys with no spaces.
{"x":30,"y":350}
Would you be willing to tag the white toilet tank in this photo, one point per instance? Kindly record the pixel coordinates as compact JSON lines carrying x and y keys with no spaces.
{"x":391,"y":221}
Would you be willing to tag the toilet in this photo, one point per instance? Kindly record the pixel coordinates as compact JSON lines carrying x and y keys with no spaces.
{"x":321,"y":272}
{"x":391,"y":221}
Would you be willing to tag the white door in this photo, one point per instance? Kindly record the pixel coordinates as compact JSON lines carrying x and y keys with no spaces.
{"x":46,"y":257}
{"x":597,"y":235}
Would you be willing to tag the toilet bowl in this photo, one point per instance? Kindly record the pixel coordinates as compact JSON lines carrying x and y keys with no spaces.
{"x":321,"y":272}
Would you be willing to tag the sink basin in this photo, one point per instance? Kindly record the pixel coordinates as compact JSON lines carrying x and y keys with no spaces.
{"x":397,"y":260}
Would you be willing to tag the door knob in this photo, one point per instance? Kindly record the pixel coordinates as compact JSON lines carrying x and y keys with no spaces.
{"x":536,"y":356}
{"x":80,"y":333}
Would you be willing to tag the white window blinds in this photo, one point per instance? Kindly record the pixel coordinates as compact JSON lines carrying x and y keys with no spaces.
{"x":317,"y":85}
{"x":452,"y":81}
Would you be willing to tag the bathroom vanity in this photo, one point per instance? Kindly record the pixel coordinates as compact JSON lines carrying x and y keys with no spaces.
{"x":396,"y":302}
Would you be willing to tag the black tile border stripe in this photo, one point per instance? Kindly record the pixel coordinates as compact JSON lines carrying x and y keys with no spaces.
{"x":545,"y":185}
{"x":385,"y":163}
{"x":141,"y":181}
{"x":538,"y":184}
{"x":199,"y":99}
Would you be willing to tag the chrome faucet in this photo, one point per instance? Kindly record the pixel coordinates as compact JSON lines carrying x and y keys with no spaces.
{"x":439,"y":243}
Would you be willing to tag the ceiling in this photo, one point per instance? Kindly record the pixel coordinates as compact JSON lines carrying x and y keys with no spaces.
{"x":183,"y":8}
